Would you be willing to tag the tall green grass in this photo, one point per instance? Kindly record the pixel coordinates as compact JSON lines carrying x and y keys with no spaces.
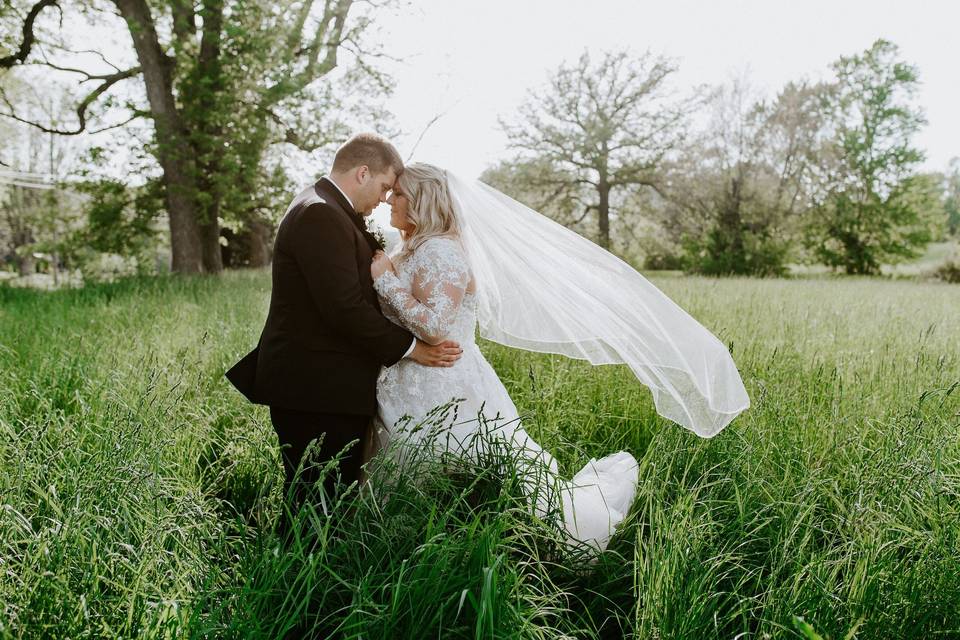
{"x":139,"y":491}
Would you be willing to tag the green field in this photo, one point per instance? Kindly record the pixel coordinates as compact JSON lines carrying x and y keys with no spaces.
{"x":139,"y":489}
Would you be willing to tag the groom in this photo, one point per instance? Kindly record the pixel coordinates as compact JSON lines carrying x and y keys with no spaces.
{"x":324,"y":341}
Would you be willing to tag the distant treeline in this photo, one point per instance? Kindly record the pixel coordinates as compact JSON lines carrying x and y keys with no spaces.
{"x":217,"y":100}
{"x":722,"y":181}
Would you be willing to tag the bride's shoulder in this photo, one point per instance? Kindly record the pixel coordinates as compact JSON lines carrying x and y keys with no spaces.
{"x":440,"y":255}
{"x":441,"y":245}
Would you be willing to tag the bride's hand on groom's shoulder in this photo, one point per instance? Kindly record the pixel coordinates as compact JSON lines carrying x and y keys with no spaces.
{"x":444,"y":354}
{"x":381,"y":264}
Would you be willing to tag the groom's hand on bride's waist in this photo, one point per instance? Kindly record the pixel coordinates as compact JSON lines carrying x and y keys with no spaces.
{"x":444,"y":354}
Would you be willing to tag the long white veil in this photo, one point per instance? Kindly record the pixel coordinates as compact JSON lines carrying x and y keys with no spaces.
{"x":542,"y":287}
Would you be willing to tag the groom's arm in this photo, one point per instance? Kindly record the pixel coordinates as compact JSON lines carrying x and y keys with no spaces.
{"x":323,"y":246}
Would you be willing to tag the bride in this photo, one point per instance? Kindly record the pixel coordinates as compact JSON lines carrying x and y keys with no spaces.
{"x":470,"y":255}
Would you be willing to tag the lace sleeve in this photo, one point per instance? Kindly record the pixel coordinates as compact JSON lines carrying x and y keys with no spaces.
{"x":440,"y":276}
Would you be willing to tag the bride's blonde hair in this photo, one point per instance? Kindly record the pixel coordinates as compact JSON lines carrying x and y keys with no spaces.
{"x":430,"y":208}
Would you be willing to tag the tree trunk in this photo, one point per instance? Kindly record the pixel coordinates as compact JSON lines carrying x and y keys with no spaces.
{"x":725,"y":247}
{"x":26,"y":265}
{"x":859,"y":260}
{"x":209,"y":86}
{"x":260,"y":249}
{"x":210,"y":237}
{"x":184,"y":233}
{"x":21,"y":238}
{"x":731,"y":222}
{"x":251,"y":247}
{"x":173,"y":152}
{"x":603,"y":212}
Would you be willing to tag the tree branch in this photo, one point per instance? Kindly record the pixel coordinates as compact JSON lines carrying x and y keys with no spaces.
{"x":87,"y":76}
{"x":60,"y":47}
{"x":329,"y":34}
{"x":293,"y":38}
{"x":92,"y":97}
{"x":424,"y":132}
{"x":333,"y":42}
{"x":291,"y":135}
{"x":28,"y":37}
{"x":184,"y":23}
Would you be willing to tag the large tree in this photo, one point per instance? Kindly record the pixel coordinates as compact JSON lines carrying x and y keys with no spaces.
{"x":951,"y":200}
{"x":870,"y":211}
{"x":545,"y":188}
{"x":221,"y":81}
{"x":600,"y":128}
{"x":735,"y":191}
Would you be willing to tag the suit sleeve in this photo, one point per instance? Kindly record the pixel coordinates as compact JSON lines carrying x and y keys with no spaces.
{"x":324,"y":250}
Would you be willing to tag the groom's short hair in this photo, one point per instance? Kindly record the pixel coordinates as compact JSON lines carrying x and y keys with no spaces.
{"x":368,"y":149}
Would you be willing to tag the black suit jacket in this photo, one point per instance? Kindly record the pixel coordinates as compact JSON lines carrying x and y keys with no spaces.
{"x":325,"y":339}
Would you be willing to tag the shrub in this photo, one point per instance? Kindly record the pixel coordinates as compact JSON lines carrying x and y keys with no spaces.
{"x":949,"y":271}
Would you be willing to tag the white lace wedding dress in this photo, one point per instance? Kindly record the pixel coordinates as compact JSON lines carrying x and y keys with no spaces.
{"x":429,"y":296}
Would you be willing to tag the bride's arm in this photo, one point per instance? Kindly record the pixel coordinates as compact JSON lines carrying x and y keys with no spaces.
{"x":440,"y":279}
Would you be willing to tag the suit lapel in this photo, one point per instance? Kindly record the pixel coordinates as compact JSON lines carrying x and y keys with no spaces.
{"x":324,"y":187}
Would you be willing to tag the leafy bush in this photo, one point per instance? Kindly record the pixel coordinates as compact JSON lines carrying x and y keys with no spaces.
{"x":663,"y":261}
{"x":745,"y":253}
{"x":949,"y":271}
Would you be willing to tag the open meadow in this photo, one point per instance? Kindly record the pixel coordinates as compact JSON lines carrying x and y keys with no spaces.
{"x":139,"y":489}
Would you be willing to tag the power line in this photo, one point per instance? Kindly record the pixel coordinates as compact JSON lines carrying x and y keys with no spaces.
{"x":26,"y":179}
{"x":26,"y":185}
{"x":14,"y":173}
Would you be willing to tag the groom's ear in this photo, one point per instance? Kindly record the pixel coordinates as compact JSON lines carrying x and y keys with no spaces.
{"x":362,"y":173}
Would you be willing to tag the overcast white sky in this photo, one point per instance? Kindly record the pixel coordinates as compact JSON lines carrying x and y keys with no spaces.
{"x":477,"y":58}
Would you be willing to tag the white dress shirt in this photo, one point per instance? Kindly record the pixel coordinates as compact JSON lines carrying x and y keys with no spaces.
{"x":334,"y":183}
{"x":353,"y":210}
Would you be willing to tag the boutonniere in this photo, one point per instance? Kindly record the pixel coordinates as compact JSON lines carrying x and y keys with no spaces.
{"x":376,"y":231}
